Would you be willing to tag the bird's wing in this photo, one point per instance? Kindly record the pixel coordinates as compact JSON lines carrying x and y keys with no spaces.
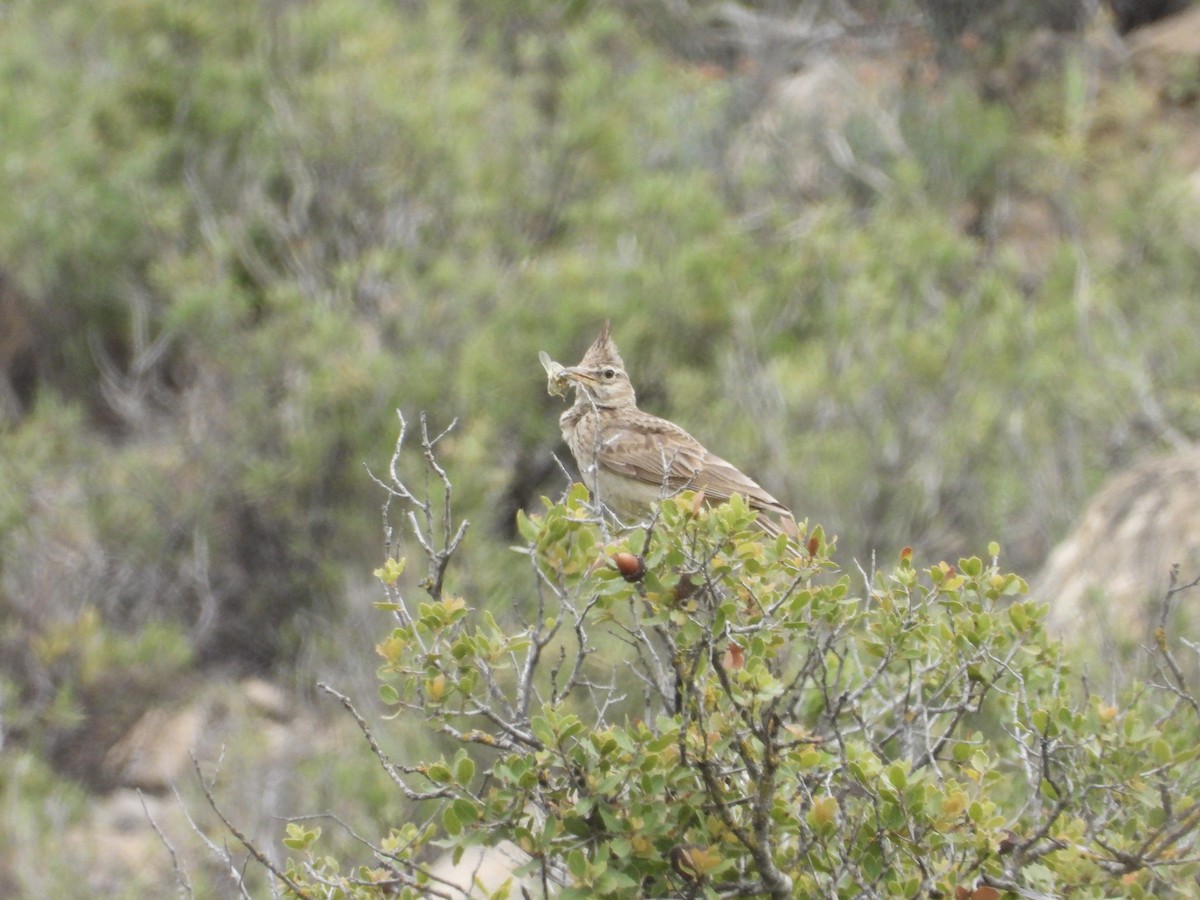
{"x":652,"y":450}
{"x":658,"y":452}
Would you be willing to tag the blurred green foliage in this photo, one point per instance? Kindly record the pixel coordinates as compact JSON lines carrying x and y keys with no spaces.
{"x":238,"y":236}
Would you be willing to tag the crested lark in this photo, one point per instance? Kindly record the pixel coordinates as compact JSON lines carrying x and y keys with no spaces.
{"x":629,"y":458}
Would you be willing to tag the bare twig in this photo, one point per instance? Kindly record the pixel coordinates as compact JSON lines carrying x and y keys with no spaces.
{"x":1180,"y":686}
{"x":217,"y":852}
{"x":392,"y":770}
{"x":181,"y":877}
{"x":250,"y":846}
{"x":421,"y":511}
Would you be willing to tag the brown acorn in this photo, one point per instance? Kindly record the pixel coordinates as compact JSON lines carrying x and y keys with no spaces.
{"x":632,"y":568}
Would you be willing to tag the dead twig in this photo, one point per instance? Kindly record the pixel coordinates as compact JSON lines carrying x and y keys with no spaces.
{"x":1180,"y":687}
{"x":391,"y":768}
{"x":181,"y":877}
{"x":251,"y":848}
{"x":421,"y":515}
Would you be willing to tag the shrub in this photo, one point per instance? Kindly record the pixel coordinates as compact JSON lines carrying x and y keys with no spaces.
{"x":689,"y":709}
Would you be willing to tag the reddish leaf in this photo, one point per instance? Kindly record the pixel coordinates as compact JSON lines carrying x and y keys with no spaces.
{"x":735,"y":657}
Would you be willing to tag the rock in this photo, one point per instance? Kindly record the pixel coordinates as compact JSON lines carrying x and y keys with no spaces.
{"x":1106,"y":580}
{"x":156,"y":752}
{"x":484,"y":870}
{"x":268,"y":699}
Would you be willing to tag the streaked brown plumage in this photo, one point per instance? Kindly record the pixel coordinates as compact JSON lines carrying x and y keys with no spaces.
{"x":629,"y":458}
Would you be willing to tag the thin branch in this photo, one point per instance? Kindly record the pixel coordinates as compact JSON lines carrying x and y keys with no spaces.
{"x":181,"y":877}
{"x":391,"y":768}
{"x":1180,"y":688}
{"x":218,"y":852}
{"x":250,"y":846}
{"x":421,"y":512}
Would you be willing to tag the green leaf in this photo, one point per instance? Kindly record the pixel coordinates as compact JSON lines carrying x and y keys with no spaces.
{"x":464,"y":769}
{"x":465,"y":810}
{"x":578,"y":497}
{"x":390,"y":572}
{"x":822,"y":815}
{"x":577,"y":865}
{"x":300,"y":836}
{"x":527,"y":527}
{"x":614,"y":882}
{"x":542,"y":731}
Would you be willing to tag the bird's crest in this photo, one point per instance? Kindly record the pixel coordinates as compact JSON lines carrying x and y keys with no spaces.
{"x":603,"y":352}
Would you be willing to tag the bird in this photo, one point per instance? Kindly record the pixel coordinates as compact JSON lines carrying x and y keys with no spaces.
{"x":629,"y":458}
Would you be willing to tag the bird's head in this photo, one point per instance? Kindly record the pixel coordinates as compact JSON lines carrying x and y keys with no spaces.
{"x":600,"y":377}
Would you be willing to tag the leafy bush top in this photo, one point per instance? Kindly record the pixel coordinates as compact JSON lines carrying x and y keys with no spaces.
{"x":687,"y":709}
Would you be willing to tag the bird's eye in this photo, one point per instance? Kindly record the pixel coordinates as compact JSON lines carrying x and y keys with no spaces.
{"x":610,"y":374}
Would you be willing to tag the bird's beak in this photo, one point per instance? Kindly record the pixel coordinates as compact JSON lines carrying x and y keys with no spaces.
{"x":575,"y":373}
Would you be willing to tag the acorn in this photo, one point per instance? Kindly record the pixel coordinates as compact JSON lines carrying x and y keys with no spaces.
{"x":632,"y":568}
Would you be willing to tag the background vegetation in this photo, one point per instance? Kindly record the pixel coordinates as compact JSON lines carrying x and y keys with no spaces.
{"x":927,"y":271}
